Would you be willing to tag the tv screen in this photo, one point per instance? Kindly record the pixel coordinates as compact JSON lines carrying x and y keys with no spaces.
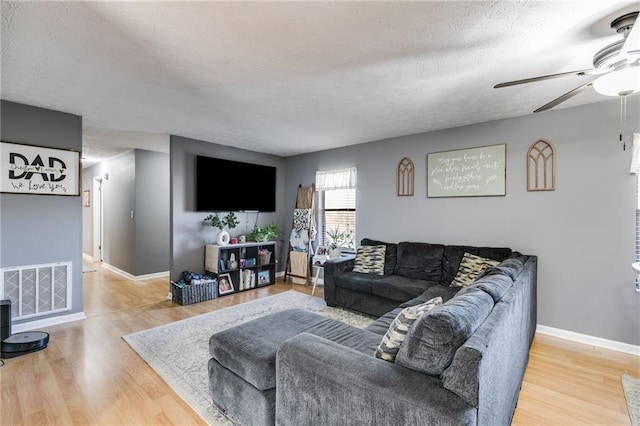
{"x":227,"y":186}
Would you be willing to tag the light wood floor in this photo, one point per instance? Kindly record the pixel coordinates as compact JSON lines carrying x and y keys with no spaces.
{"x":88,"y":375}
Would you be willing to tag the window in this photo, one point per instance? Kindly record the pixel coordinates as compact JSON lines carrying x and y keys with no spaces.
{"x":336,"y":204}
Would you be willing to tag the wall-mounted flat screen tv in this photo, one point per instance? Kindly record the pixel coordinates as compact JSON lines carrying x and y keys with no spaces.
{"x":231,"y":186}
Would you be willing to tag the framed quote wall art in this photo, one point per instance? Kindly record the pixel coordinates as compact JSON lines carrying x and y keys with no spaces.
{"x":470,"y":172}
{"x":30,"y":169}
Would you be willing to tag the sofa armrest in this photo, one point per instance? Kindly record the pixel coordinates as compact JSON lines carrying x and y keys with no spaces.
{"x":319,"y":381}
{"x":336,"y":266}
{"x":333,"y":267}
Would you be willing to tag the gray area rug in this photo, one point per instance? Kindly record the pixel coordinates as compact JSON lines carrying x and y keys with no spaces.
{"x":631,"y":386}
{"x":179,"y":351}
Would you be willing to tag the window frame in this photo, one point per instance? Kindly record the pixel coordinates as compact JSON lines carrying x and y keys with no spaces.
{"x":346,"y":181}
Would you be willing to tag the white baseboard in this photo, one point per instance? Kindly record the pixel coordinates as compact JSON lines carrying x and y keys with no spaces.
{"x":135,"y":277}
{"x":589,"y":340}
{"x":46,"y":322}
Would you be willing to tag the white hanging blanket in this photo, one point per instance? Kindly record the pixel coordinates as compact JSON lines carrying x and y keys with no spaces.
{"x":299,"y":240}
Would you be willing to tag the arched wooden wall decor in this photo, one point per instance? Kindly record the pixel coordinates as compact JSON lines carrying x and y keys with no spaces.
{"x":405,"y":177}
{"x":541,"y":167}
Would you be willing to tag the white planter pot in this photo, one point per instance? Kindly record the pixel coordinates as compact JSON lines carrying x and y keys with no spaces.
{"x":334,"y":253}
{"x":223,"y":238}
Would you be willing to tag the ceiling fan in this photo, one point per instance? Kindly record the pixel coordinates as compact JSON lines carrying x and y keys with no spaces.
{"x":616,"y":67}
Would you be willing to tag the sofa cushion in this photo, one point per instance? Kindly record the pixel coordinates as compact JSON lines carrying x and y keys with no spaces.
{"x":470,"y":267}
{"x":390,"y":254}
{"x":452,"y":257}
{"x":382,"y":324}
{"x":439,"y":290}
{"x":370,"y":260}
{"x":422,"y":261}
{"x":510,"y":267}
{"x":495,"y":285}
{"x":249,"y":349}
{"x":400,"y":289}
{"x":435,"y":337}
{"x":362,"y":283}
{"x":399,"y":327}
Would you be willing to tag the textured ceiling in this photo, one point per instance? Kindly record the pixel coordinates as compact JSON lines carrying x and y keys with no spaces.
{"x":289,"y":78}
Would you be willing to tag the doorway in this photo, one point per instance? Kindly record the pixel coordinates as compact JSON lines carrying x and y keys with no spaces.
{"x":97,"y":218}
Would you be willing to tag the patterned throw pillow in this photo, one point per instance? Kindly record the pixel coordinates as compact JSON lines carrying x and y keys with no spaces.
{"x":370,"y":260}
{"x":393,"y":338}
{"x":470,"y":267}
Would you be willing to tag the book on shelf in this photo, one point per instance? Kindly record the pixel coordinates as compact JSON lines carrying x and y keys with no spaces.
{"x":247,"y":279}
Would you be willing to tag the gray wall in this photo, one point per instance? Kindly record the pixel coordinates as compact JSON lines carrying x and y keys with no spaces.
{"x":138,"y":182}
{"x":118,"y":194}
{"x":583,"y":232}
{"x":42,"y":228}
{"x":152,"y":212}
{"x":189,"y":234}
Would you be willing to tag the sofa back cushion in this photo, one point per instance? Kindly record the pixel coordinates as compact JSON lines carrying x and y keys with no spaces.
{"x":435,"y":337}
{"x":511,"y":267}
{"x":397,"y":332}
{"x":470,"y":267}
{"x":495,"y":285}
{"x":390,"y":254}
{"x":452,"y":257}
{"x":421,"y":261}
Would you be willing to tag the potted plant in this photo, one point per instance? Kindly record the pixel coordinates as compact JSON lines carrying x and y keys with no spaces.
{"x":262,"y":234}
{"x":229,"y":220}
{"x":338,"y":239}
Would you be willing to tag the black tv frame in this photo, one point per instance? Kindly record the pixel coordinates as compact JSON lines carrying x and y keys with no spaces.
{"x":223,"y":185}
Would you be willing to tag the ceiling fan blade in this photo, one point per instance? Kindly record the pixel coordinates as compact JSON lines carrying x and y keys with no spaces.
{"x":631,"y":45}
{"x":567,"y":95}
{"x":544,"y":77}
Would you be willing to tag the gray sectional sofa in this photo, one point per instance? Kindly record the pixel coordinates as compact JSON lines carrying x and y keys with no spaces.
{"x":462,"y":362}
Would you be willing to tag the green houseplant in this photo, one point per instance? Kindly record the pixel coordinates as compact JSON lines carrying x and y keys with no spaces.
{"x":262,"y":234}
{"x":338,"y":239}
{"x":229,"y":220}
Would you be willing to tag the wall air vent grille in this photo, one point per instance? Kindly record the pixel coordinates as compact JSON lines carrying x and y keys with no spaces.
{"x":37,"y":290}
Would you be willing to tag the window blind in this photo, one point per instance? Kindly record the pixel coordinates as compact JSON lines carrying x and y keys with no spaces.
{"x":336,"y":202}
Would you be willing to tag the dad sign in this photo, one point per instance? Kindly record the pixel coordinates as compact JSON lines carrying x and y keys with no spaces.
{"x":28,"y":169}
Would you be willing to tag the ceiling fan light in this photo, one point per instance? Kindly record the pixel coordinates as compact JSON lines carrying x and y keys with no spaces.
{"x":620,"y":82}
